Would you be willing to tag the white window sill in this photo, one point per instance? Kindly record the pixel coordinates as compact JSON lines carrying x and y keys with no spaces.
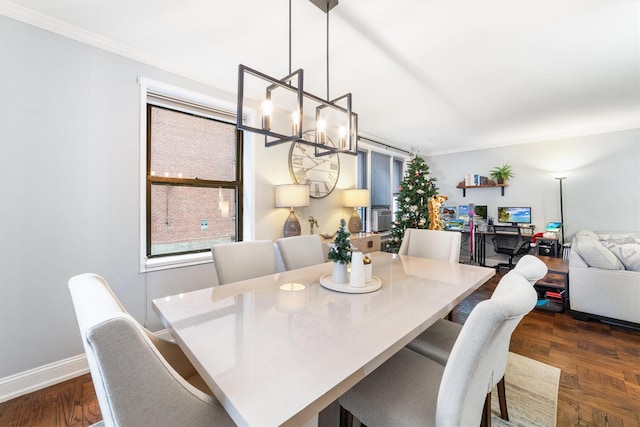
{"x":176,"y":261}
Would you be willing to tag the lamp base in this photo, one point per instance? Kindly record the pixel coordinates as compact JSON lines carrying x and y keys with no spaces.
{"x":291,"y":225}
{"x":355,"y":223}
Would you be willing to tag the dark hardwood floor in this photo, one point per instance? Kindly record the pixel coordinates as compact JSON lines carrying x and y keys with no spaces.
{"x":599,"y":383}
{"x":600,"y":363}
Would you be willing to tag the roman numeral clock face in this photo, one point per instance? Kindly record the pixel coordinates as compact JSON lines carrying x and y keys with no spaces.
{"x":319,"y":173}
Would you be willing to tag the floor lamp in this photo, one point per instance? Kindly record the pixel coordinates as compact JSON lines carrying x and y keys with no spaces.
{"x":561,"y":176}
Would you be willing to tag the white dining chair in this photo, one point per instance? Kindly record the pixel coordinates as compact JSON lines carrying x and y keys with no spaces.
{"x":434,"y":244}
{"x":438,"y":340}
{"x":531,"y":268}
{"x":139,"y":379}
{"x":410,"y":389}
{"x":243,"y":260}
{"x":300,"y":251}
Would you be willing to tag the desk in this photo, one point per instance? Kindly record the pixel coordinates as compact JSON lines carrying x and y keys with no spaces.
{"x":480,"y":239}
{"x":276,"y":357}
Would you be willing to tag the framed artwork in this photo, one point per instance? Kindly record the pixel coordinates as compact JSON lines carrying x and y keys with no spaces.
{"x":448,"y":213}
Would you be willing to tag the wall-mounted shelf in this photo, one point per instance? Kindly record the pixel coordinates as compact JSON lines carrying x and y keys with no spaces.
{"x":464,"y":187}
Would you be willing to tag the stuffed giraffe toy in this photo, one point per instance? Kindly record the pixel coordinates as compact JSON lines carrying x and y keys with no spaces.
{"x":435,"y":203}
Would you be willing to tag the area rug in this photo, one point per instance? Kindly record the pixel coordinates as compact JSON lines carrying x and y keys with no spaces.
{"x":532,"y":394}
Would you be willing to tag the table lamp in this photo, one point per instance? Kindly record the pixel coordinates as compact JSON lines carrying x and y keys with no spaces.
{"x":356,"y":198}
{"x":292,"y":196}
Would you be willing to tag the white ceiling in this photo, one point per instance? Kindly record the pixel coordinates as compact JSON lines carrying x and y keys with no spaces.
{"x":439,"y":75}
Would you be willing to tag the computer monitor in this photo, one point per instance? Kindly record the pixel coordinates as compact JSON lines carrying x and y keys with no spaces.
{"x":448,"y":213}
{"x":514,"y":215}
{"x":480,"y":212}
{"x":463,"y":213}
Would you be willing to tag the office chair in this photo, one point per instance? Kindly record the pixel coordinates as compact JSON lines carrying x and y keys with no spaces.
{"x":508,"y":240}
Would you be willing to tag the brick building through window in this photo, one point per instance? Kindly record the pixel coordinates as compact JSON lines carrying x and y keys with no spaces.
{"x":194,"y":179}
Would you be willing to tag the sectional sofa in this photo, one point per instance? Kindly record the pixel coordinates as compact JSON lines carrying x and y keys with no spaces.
{"x":604,"y":275}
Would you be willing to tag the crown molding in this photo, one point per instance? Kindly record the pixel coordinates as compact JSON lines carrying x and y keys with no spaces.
{"x":37,"y":19}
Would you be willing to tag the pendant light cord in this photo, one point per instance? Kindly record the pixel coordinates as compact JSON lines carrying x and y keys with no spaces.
{"x":289,"y":36}
{"x":327,"y":50}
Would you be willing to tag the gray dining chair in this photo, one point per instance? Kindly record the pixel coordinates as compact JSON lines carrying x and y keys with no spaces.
{"x":139,"y":379}
{"x":243,"y":260}
{"x":437,"y":341}
{"x":410,"y":389}
{"x":434,"y":244}
{"x":300,"y":251}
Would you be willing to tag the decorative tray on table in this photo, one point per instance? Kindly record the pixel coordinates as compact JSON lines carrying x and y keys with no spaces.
{"x":370,"y":286}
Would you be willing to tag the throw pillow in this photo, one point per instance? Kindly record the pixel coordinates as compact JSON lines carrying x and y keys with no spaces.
{"x":620,"y":238}
{"x":596,"y":255}
{"x":628,"y":254}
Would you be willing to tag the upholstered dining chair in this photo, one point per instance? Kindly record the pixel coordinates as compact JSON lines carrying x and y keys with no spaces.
{"x":531,"y":268}
{"x":434,"y":244}
{"x":410,"y":389}
{"x":140,"y":380}
{"x":437,"y":341}
{"x":300,"y":251}
{"x":243,"y":260}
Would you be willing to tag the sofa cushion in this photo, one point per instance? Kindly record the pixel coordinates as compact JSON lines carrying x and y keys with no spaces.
{"x":596,"y":255}
{"x":628,"y":254}
{"x":620,"y":238}
{"x":587,"y":233}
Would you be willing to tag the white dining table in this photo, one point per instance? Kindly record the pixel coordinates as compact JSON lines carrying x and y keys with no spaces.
{"x":278,"y":349}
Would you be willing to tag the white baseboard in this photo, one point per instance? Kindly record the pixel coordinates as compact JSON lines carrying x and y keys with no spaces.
{"x":42,"y":376}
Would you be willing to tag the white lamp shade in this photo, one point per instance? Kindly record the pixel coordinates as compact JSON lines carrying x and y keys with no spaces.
{"x":292,"y":195}
{"x":356,"y":198}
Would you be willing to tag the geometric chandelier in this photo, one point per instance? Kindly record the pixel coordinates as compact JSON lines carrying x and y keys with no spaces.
{"x":286,"y":110}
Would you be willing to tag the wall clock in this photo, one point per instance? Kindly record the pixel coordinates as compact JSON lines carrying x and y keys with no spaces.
{"x":319,"y":173}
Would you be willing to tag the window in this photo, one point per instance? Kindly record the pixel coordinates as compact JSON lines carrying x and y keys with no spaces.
{"x":384,"y":178}
{"x":192,"y":177}
{"x":381,"y":181}
{"x":398,"y":164}
{"x":194,"y":185}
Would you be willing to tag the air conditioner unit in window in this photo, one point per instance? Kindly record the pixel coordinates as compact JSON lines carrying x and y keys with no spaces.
{"x":381,"y":220}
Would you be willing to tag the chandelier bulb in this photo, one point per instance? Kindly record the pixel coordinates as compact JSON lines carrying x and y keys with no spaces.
{"x":267,"y":109}
{"x":342,"y":136}
{"x":295,"y":122}
{"x":321,"y":131}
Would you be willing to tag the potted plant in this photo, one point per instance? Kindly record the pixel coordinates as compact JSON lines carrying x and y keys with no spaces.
{"x":340,"y":254}
{"x":501,"y":174}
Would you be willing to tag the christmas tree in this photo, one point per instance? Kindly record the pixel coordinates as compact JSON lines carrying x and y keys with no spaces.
{"x":340,"y":250}
{"x":415,"y":190}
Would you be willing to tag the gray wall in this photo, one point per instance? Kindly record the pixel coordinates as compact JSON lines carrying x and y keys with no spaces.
{"x":70,"y":179}
{"x":602,"y":192}
{"x":69,"y":126}
{"x":69,"y":189}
